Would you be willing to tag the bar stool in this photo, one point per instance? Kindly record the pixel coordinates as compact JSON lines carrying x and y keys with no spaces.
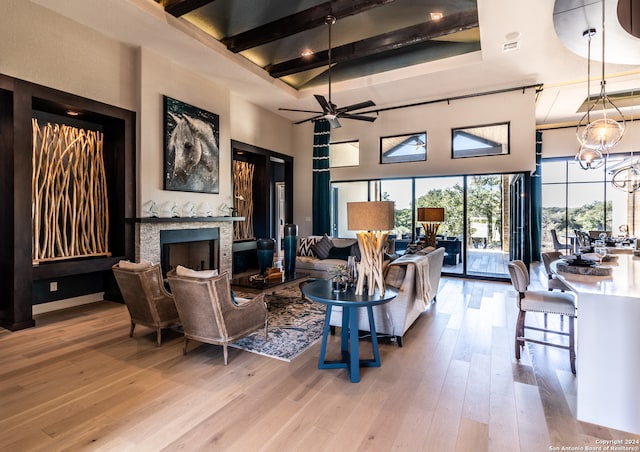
{"x":545,"y":302}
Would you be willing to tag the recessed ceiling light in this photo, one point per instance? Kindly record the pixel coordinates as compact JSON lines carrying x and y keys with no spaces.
{"x":436,"y":16}
{"x":306,"y":53}
{"x":72,"y":113}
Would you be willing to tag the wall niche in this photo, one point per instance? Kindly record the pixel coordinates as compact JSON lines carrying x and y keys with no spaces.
{"x":106,"y":230}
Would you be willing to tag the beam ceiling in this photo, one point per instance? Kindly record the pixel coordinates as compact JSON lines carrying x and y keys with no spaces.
{"x":395,"y":40}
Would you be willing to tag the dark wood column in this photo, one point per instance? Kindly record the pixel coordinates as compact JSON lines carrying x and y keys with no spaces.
{"x":18,"y":100}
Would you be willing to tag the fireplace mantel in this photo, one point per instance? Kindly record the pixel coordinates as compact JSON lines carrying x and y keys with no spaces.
{"x":187,"y":219}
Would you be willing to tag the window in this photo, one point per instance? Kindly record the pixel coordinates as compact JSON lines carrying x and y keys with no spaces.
{"x":575,"y":199}
{"x":345,"y":153}
{"x":403,"y":148}
{"x":492,"y":139}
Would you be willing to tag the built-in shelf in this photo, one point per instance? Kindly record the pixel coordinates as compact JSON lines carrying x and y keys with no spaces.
{"x":187,"y":219}
{"x":77,"y":266}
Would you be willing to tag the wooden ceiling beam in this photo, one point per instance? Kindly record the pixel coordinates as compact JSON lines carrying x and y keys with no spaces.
{"x":179,"y":8}
{"x":371,"y":46}
{"x":295,"y":23}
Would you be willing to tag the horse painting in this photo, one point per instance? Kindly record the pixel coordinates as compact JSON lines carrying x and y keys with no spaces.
{"x":191,"y":153}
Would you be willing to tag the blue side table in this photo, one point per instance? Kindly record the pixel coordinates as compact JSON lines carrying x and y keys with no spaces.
{"x":321,"y":291}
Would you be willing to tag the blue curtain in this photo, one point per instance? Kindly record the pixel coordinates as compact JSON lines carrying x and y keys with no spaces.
{"x":321,"y":175}
{"x":536,"y":202}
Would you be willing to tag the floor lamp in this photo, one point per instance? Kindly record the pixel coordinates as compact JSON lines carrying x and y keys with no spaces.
{"x":373,"y":220}
{"x":430,"y":217}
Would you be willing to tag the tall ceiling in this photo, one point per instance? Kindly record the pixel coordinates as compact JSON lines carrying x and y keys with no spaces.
{"x":391,"y":51}
{"x":367,"y":36}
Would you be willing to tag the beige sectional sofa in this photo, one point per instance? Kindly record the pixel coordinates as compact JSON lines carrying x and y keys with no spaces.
{"x":417,"y":278}
{"x":319,"y":268}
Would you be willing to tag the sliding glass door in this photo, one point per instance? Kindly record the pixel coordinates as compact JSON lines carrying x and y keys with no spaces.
{"x":477,"y":231}
{"x":487,"y":233}
{"x":448,"y":193}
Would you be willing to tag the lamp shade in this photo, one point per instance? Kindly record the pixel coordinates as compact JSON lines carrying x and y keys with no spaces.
{"x":370,"y":216}
{"x":430,"y":214}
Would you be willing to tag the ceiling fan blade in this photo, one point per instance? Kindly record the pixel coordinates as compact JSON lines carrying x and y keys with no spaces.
{"x":326,"y":106}
{"x":358,"y":117}
{"x":358,"y":106}
{"x":302,"y":111}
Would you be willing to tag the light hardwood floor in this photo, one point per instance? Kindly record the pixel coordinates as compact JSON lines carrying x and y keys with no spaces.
{"x":78,"y":382}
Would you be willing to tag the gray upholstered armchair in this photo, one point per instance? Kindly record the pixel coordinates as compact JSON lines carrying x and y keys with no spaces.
{"x":144,"y":294}
{"x":209,"y":313}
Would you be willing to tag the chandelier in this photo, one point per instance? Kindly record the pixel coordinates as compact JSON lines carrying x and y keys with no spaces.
{"x":597,"y":136}
{"x":625,"y":175}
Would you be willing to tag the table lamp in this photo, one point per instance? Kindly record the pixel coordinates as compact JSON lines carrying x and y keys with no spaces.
{"x":430,"y":217}
{"x":373,"y":220}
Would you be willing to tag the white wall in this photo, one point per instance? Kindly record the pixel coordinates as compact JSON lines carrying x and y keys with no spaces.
{"x":254,"y":125}
{"x":437,"y":119}
{"x":159,"y":77}
{"x":44,"y":48}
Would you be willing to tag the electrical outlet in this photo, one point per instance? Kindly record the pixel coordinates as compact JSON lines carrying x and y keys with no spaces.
{"x":53,"y":286}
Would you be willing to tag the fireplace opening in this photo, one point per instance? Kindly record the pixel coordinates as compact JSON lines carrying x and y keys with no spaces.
{"x":197,"y":249}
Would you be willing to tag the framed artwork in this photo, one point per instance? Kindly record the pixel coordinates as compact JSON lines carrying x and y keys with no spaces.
{"x":191,"y":153}
{"x":476,"y":141}
{"x":404,"y":148}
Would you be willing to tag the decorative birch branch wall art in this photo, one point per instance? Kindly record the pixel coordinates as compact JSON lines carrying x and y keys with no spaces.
{"x":70,"y":208}
{"x":243,"y":199}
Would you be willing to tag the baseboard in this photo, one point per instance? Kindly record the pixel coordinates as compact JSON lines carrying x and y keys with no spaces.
{"x":67,"y":303}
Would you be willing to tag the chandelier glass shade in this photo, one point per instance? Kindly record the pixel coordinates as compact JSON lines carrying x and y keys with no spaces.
{"x":589,"y":158}
{"x":597,"y":136}
{"x":602,"y":133}
{"x":626,"y":175}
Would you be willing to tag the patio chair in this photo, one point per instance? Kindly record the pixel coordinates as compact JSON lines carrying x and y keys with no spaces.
{"x":557,"y":246}
{"x":146,"y":299}
{"x":544,"y":302}
{"x":209,"y":313}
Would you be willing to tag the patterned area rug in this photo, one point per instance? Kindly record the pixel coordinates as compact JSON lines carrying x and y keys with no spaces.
{"x":295,"y":324}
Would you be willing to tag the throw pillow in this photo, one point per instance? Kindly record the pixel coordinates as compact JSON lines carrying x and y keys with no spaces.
{"x":184,"y":271}
{"x":322,"y":248}
{"x":339,"y":253}
{"x":305,"y":246}
{"x":126,"y":265}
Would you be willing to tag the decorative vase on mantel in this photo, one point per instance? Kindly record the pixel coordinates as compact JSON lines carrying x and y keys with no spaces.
{"x":265,"y":254}
{"x":290,"y":249}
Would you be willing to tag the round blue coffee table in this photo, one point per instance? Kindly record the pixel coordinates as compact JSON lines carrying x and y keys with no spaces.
{"x":321,"y":291}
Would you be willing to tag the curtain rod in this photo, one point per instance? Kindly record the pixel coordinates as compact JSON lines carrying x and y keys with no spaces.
{"x":538,"y":87}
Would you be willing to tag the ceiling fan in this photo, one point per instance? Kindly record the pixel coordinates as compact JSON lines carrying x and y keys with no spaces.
{"x":330,"y":111}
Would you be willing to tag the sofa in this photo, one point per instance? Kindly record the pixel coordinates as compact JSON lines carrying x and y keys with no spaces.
{"x":415,"y":294}
{"x":307,"y":260}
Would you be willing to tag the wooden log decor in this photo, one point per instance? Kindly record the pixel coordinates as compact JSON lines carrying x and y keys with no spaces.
{"x":243,"y":199}
{"x":70,"y":215}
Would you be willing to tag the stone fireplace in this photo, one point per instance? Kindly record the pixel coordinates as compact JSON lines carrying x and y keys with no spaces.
{"x":219,"y":230}
{"x":192,"y":248}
